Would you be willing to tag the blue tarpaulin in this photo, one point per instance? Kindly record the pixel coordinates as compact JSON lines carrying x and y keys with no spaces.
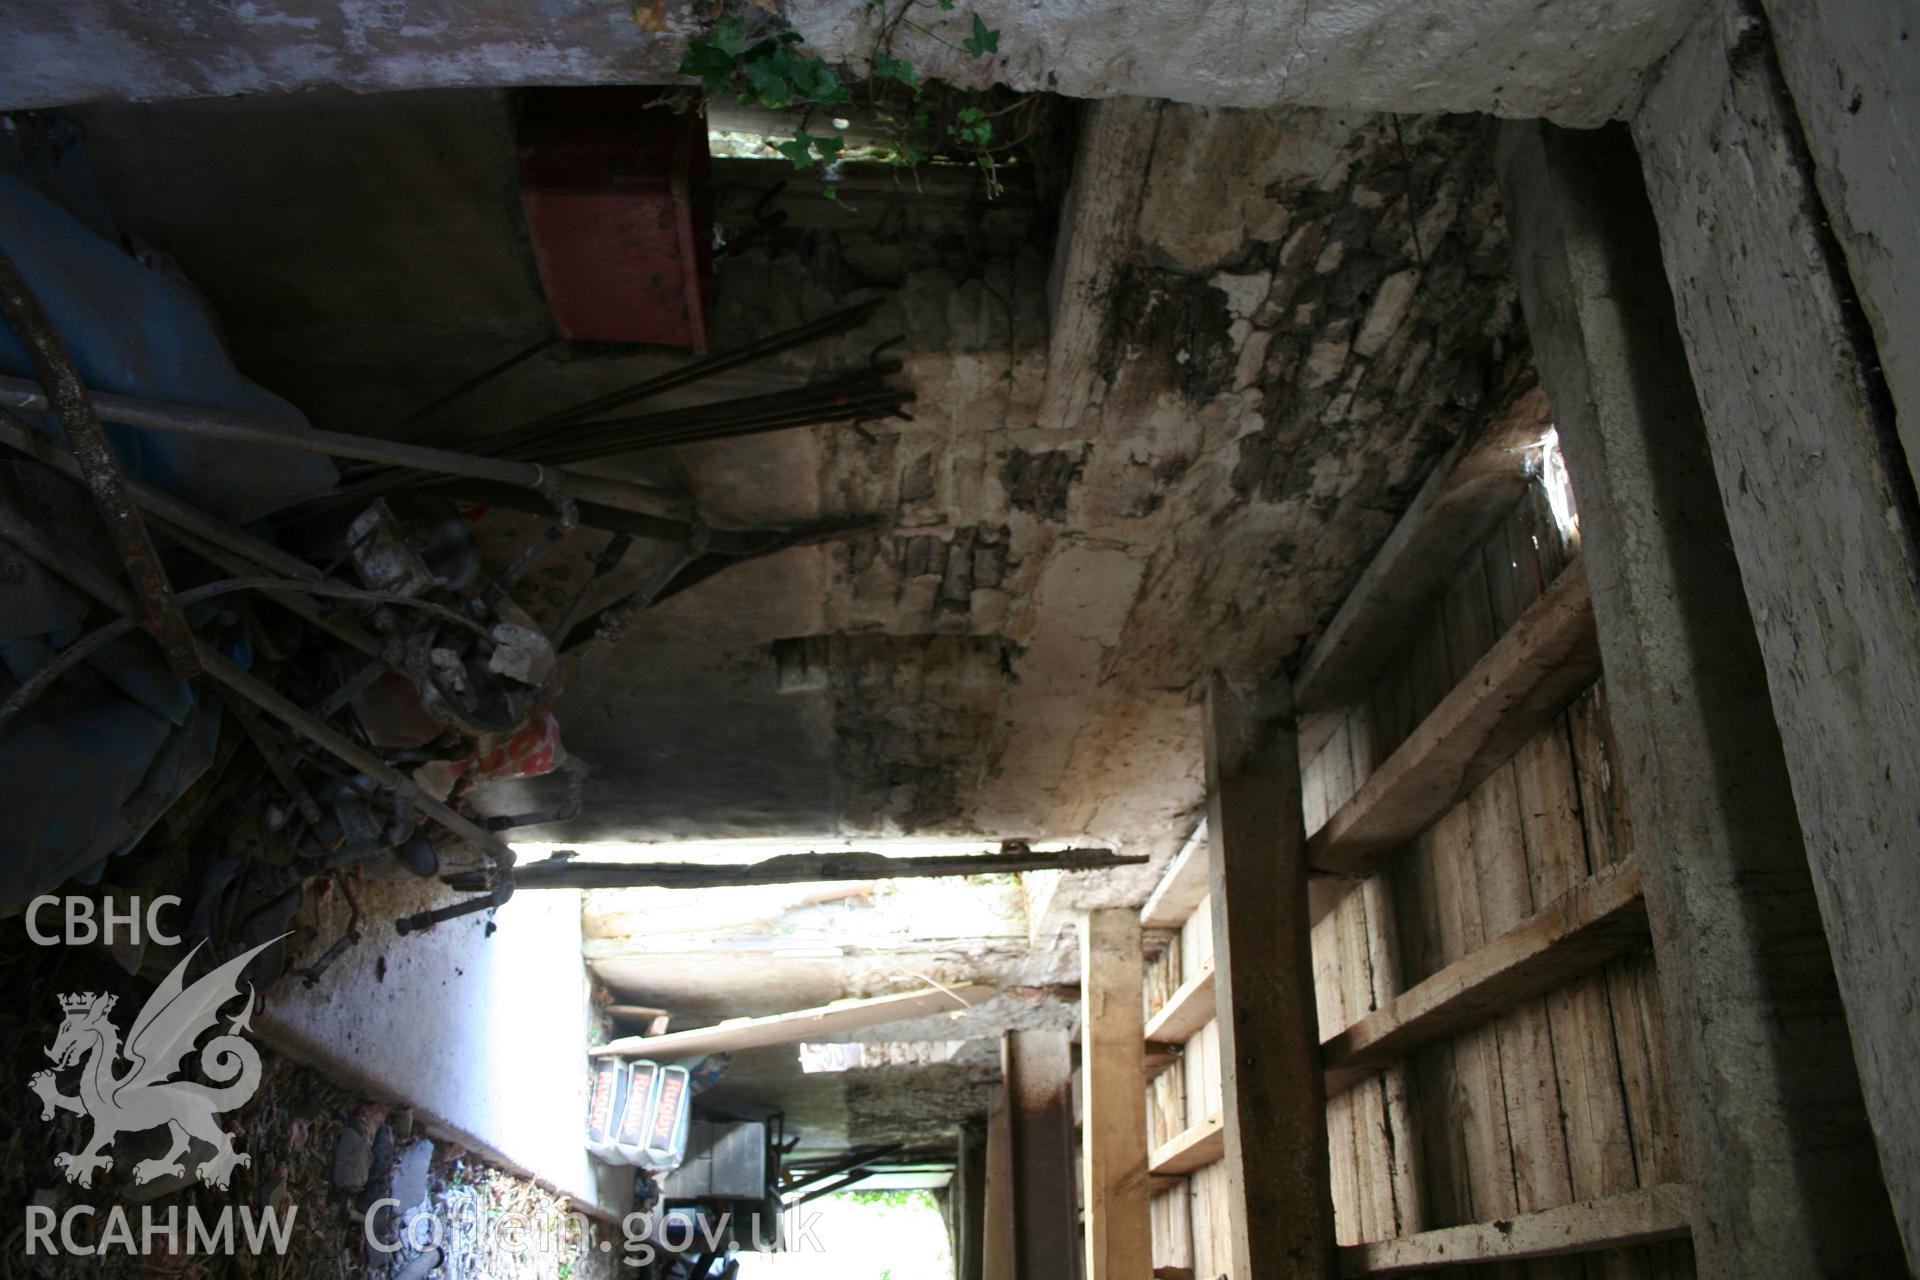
{"x":88,"y":769}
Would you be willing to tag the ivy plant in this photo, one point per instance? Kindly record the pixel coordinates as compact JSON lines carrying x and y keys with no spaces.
{"x":763,"y":64}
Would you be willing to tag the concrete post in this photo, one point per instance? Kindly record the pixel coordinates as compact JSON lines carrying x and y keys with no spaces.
{"x":1771,"y":1119}
{"x":1820,"y":502}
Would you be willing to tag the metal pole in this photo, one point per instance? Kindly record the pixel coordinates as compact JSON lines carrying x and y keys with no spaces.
{"x":99,"y":471}
{"x":225,"y":544}
{"x":214,"y":424}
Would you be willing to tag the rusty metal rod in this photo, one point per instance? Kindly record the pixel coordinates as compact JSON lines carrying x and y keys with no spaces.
{"x":90,"y":579}
{"x":94,"y":641}
{"x":707,"y":366}
{"x":794,"y":403}
{"x":213,"y":424}
{"x":225,"y":544}
{"x":66,"y":395}
{"x":797,"y":868}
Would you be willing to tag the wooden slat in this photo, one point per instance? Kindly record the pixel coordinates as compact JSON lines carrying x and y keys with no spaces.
{"x":656,"y":1020}
{"x":1465,"y":496}
{"x":1119,"y":1236}
{"x":1190,"y":1149}
{"x":1273,"y":1100}
{"x":1646,"y":1216}
{"x":1181,"y":886}
{"x":1188,"y":1009}
{"x":1574,"y":934}
{"x":1522,"y":682}
{"x":788,"y":1028}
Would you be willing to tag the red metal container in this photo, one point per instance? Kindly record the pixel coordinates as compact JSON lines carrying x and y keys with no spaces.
{"x":618,"y":194}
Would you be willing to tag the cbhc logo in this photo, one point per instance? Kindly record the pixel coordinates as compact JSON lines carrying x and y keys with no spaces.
{"x":88,"y":922}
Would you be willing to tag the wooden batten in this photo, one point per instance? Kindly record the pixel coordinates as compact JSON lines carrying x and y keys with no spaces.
{"x":788,"y":1028}
{"x":1528,"y":677}
{"x":1273,"y":1139}
{"x":1645,"y":1216}
{"x":1193,"y":1148}
{"x":1119,"y":1242}
{"x":1181,"y":887}
{"x":654,"y":1020}
{"x":1187,"y":1010}
{"x":1583,"y":928}
{"x":1467,"y":494}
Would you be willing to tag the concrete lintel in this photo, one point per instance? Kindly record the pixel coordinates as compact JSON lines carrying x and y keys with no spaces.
{"x":1569,"y":59}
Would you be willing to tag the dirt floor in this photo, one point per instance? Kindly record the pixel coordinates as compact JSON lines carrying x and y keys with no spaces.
{"x":323,"y":1155}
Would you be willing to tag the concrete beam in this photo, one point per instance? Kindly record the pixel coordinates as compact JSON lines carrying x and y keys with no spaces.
{"x":1771,"y":1125}
{"x":1854,"y":69}
{"x":1822,"y":513}
{"x":1570,"y":59}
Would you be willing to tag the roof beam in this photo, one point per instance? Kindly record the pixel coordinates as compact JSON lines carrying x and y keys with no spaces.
{"x":801,"y":1024}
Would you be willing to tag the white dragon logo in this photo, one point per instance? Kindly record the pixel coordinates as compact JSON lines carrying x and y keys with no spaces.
{"x":144,"y":1096}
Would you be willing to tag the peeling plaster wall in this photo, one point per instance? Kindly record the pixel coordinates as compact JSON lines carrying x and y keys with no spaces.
{"x":1576,"y":61}
{"x":1280,"y":366}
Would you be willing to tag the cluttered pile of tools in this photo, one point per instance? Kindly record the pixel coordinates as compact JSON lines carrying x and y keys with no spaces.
{"x":365,"y":671}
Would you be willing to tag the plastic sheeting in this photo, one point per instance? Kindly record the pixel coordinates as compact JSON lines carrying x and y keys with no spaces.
{"x":88,"y":769}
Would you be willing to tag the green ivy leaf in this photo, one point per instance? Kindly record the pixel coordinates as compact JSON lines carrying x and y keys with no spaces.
{"x":769,"y":83}
{"x":708,"y":61}
{"x":831,"y":193}
{"x":801,"y":153}
{"x":888,"y":67}
{"x":729,"y":38}
{"x":983,"y":41}
{"x":826,"y":88}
